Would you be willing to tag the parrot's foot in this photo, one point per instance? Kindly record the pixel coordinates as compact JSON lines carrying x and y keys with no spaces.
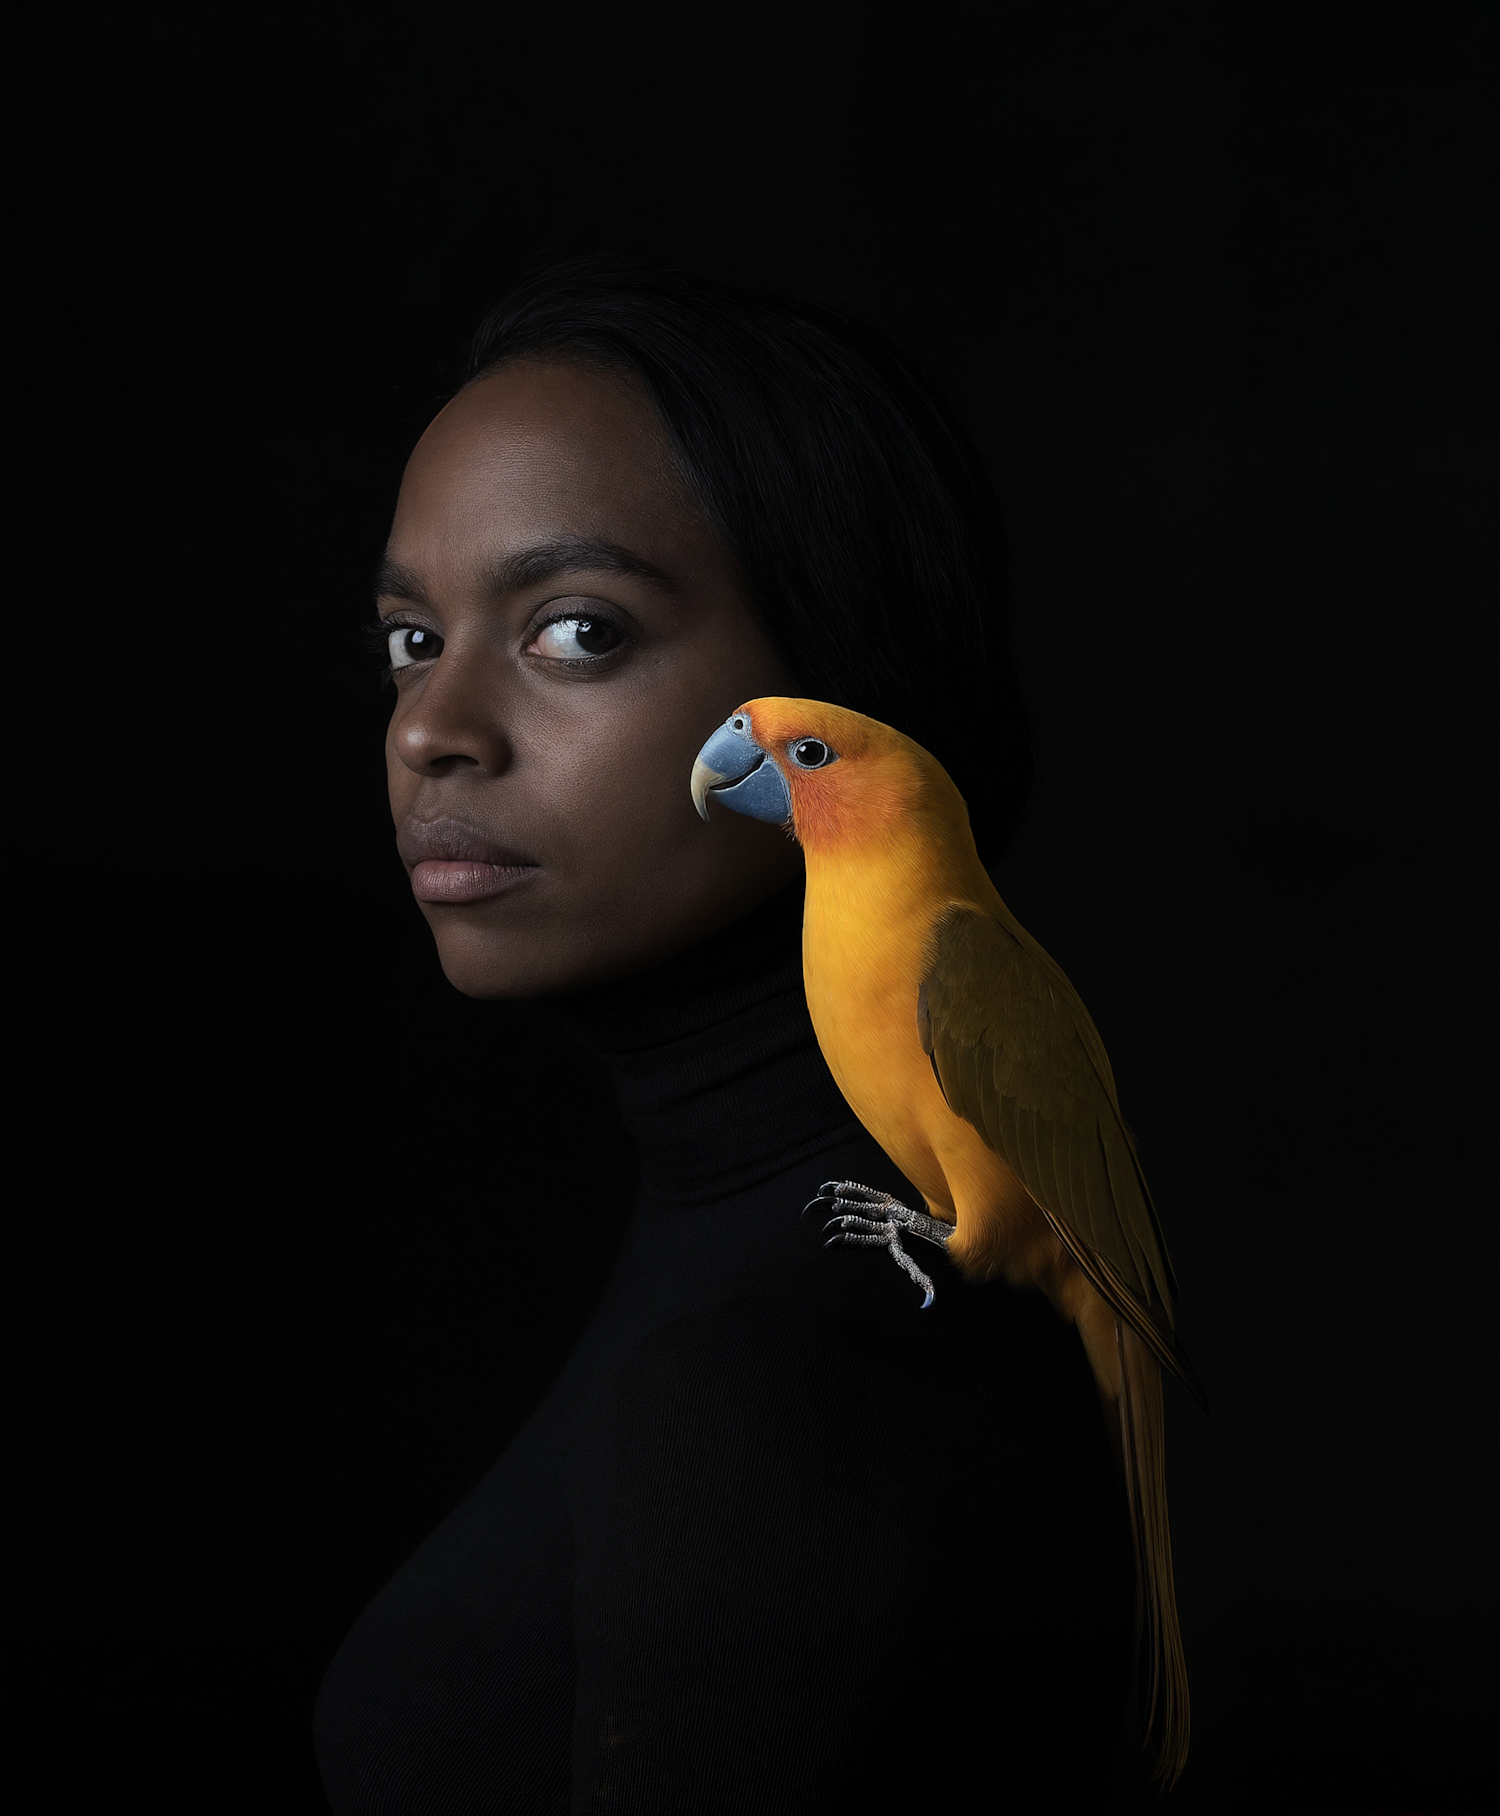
{"x":870,"y":1219}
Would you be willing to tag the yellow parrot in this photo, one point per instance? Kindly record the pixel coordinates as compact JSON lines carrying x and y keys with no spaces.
{"x":968,"y":1056}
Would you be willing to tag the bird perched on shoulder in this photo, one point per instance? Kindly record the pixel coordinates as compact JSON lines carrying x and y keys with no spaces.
{"x":968,"y":1056}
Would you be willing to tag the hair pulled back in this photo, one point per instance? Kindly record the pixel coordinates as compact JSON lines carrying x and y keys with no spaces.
{"x":853,"y":503}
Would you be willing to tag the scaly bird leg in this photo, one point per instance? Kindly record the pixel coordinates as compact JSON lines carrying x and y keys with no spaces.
{"x":871,"y":1219}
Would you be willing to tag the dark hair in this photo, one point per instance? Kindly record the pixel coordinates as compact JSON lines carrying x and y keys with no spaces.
{"x":854,"y":504}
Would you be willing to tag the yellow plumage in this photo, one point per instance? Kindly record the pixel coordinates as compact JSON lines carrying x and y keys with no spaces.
{"x":963,"y":1049}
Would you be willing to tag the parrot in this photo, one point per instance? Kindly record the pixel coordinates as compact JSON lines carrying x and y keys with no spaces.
{"x":965,"y":1052}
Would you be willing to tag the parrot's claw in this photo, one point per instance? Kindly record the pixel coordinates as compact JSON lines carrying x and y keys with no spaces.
{"x":871,"y":1219}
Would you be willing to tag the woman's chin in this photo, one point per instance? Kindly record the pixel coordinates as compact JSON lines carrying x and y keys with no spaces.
{"x":522,"y":967}
{"x":504,"y":977}
{"x":492,"y":951}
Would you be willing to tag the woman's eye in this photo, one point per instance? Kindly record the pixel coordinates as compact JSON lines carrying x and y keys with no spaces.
{"x":576,"y":639}
{"x":408,"y":644}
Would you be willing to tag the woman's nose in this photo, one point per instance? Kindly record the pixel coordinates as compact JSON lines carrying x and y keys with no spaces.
{"x":452,"y":718}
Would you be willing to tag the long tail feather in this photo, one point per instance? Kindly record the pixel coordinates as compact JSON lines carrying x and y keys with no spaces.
{"x":1141,"y":1433}
{"x":1126,"y":1303}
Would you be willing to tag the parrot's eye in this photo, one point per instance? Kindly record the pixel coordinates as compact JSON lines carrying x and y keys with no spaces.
{"x":811,"y":753}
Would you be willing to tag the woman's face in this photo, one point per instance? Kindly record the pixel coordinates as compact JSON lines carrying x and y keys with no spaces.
{"x":565,"y":632}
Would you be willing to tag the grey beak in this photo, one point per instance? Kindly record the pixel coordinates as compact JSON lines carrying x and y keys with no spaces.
{"x":733,"y":767}
{"x":704,"y":780}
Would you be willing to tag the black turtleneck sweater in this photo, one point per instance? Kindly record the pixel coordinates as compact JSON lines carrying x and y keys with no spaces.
{"x":777,"y":1540}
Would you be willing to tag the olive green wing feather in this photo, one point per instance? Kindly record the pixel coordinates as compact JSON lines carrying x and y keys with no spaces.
{"x":1016,"y":1055}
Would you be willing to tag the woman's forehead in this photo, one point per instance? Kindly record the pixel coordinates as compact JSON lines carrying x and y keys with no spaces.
{"x":541,"y":450}
{"x":562,"y":416}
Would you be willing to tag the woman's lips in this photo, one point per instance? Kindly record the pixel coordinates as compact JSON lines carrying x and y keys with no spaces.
{"x":465,"y":879}
{"x":452,"y":861}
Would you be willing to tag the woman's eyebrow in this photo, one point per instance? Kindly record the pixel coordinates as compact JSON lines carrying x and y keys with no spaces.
{"x":544,"y":561}
{"x":534,"y":566}
{"x":392,"y":581}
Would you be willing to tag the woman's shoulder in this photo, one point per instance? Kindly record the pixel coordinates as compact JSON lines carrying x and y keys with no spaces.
{"x":838,"y":1401}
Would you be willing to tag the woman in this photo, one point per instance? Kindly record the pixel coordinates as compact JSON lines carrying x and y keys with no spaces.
{"x":775,"y":1540}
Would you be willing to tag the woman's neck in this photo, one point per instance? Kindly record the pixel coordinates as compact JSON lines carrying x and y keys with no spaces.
{"x":717,"y":1069}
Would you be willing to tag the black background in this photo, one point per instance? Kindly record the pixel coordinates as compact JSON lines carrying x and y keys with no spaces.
{"x":304,"y":1234}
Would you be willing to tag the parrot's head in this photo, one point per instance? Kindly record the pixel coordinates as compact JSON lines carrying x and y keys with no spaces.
{"x":831,"y":776}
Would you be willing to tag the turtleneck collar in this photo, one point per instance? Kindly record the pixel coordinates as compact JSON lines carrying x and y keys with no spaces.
{"x":720,"y":1080}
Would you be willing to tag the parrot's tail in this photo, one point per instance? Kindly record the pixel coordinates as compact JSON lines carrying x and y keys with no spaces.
{"x":1141,"y":1435}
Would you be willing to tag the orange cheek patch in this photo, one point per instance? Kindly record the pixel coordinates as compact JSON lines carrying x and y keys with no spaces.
{"x":839,"y":806}
{"x":818,"y":813}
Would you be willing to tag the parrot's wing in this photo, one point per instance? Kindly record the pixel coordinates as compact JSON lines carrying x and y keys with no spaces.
{"x":1013,"y":1052}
